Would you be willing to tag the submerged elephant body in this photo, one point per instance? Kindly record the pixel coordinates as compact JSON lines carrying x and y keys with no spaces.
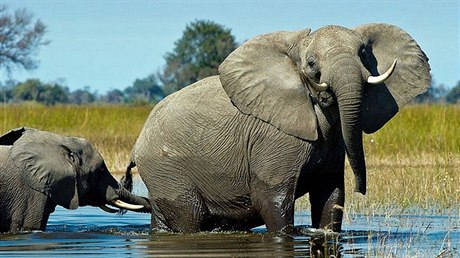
{"x":226,"y":172}
{"x":235,"y":150}
{"x":40,"y":170}
{"x":16,"y":200}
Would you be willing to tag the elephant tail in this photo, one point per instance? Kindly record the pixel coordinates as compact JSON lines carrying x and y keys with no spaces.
{"x":127,"y":180}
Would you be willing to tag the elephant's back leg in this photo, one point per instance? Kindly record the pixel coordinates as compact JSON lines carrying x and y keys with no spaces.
{"x":185,"y":150}
{"x":186,"y":213}
{"x":176,"y":203}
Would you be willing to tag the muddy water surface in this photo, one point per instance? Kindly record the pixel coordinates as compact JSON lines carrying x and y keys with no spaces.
{"x":91,"y":232}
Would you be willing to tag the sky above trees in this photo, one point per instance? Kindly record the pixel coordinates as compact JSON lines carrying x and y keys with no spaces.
{"x":107,"y":45}
{"x":196,"y":55}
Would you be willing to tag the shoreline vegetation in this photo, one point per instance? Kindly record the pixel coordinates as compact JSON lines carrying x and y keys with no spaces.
{"x":412,"y":162}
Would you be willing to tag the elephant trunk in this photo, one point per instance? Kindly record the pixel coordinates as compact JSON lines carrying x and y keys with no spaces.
{"x":350,"y":109}
{"x":349,"y":91}
{"x":126,"y":196}
{"x":109,"y":191}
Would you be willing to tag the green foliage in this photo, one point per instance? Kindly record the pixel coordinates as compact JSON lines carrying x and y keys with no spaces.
{"x":144,"y":90}
{"x":20,"y":38}
{"x":28,"y":90}
{"x":53,"y":94}
{"x":34,"y":90}
{"x":113,"y":97}
{"x":197,"y":54}
{"x":82,"y":97}
{"x":454,"y":94}
{"x":434,"y":94}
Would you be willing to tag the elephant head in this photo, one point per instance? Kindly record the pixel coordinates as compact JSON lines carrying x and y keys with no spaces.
{"x":69,"y":170}
{"x":276,"y":76}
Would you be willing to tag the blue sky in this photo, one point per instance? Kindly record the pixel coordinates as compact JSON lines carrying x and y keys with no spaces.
{"x":108,"y":44}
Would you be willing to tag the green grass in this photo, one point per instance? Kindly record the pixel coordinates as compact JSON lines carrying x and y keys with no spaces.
{"x":413,"y":161}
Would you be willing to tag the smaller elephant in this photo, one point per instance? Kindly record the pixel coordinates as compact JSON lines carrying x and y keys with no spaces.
{"x":40,"y":170}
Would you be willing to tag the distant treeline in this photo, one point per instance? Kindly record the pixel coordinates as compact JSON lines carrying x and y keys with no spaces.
{"x":145,"y":91}
{"x":439,"y":93}
{"x":142,"y":91}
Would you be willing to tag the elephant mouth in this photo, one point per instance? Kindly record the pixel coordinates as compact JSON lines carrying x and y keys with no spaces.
{"x":121,"y":205}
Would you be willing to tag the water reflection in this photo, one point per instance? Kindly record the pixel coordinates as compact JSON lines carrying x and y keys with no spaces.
{"x":224,"y":244}
{"x":234,"y":244}
{"x":91,"y":232}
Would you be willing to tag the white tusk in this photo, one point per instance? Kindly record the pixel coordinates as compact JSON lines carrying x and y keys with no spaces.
{"x":381,"y":78}
{"x":128,"y":206}
{"x":319,"y":87}
{"x":107,"y":209}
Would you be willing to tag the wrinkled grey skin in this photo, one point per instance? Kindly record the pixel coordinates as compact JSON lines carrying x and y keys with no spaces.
{"x":234,"y":151}
{"x":40,"y":170}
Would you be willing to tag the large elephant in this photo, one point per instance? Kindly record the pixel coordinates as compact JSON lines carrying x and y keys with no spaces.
{"x":234,"y":151}
{"x":40,"y":170}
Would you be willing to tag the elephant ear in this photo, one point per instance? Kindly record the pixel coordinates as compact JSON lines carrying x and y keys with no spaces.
{"x":10,"y":137}
{"x":262,"y":79}
{"x":411,"y":77}
{"x":46,"y":165}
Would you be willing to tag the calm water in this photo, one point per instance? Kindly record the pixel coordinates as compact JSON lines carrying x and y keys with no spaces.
{"x":91,"y":232}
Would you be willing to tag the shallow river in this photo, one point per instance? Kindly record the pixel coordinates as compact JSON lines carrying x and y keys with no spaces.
{"x":91,"y":232}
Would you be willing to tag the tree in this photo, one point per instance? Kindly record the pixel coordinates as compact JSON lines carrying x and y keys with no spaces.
{"x":434,"y":94}
{"x":35,"y":90}
{"x":82,"y":96}
{"x":52,"y":94}
{"x":20,"y":38}
{"x":196,"y":55}
{"x":28,"y":90}
{"x":144,"y":90}
{"x":6,"y":92}
{"x":454,"y":94}
{"x":113,"y":97}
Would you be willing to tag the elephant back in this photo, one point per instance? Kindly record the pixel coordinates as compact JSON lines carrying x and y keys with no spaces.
{"x":205,"y":102}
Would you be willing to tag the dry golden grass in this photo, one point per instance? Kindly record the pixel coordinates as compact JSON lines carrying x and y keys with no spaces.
{"x":111,"y":129}
{"x":414,"y":161}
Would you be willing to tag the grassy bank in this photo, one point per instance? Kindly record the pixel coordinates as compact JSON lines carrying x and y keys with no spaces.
{"x":413,"y":161}
{"x":112,"y":129}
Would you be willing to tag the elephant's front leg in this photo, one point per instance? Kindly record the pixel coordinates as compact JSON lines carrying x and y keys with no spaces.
{"x":275,"y":204}
{"x":327,"y":197}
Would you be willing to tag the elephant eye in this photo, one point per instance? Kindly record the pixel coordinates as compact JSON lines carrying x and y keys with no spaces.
{"x":72,"y":157}
{"x":365,"y":55}
{"x":311,"y":61}
{"x":363,"y":52}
